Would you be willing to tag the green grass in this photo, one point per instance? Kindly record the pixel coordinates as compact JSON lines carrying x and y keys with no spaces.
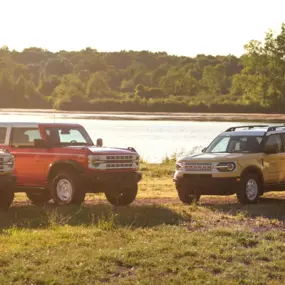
{"x":156,"y":240}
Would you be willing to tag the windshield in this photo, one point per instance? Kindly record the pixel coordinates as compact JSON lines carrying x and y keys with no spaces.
{"x":62,"y":136}
{"x":235,"y":144}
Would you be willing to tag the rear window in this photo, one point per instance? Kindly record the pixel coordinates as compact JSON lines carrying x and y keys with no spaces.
{"x":24,"y":136}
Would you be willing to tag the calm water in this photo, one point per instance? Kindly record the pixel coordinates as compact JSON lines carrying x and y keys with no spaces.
{"x":154,"y":140}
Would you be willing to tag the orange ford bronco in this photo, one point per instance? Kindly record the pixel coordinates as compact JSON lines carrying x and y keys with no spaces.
{"x":60,"y":162}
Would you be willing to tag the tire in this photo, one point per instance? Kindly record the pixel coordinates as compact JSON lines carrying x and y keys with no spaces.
{"x":6,"y":199}
{"x":39,"y":198}
{"x":124,"y":197}
{"x":187,"y":196}
{"x":250,"y":189}
{"x":65,"y":189}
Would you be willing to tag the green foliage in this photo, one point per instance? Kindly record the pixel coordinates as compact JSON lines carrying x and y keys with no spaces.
{"x":89,"y":80}
{"x":97,"y":86}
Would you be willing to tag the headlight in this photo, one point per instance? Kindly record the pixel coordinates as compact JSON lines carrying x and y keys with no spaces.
{"x":179,"y":165}
{"x":93,"y":161}
{"x":10,"y":163}
{"x":226,"y":166}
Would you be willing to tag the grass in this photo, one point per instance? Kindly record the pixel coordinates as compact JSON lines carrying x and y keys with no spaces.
{"x":156,"y":240}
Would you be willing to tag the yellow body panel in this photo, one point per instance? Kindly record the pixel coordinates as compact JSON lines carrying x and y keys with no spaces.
{"x":272,"y":166}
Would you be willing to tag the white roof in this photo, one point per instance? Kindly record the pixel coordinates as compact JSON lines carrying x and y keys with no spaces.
{"x":253,"y":132}
{"x":18,"y":124}
{"x":31,"y":124}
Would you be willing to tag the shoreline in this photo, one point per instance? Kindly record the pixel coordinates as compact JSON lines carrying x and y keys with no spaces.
{"x":154,"y":116}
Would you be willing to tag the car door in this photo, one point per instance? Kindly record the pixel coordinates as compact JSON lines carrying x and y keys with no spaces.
{"x":274,"y":163}
{"x":29,"y":162}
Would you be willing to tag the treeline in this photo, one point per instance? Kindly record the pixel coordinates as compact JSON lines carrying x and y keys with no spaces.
{"x":144,"y":81}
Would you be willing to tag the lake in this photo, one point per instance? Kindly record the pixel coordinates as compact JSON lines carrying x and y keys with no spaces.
{"x":153,"y":139}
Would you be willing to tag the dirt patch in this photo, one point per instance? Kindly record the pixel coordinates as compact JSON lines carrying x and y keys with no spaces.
{"x":269,"y":199}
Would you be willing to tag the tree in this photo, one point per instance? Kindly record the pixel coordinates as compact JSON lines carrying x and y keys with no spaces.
{"x":97,"y":86}
{"x":6,"y":89}
{"x":264,"y":70}
{"x":189,"y":85}
{"x":58,"y":66}
{"x":70,"y":86}
{"x":214,"y":79}
{"x":48,"y":84}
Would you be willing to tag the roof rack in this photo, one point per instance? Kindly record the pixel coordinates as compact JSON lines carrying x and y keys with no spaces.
{"x":232,"y":129}
{"x":273,"y":128}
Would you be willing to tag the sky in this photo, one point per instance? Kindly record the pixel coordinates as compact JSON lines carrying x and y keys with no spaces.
{"x":180,"y":27}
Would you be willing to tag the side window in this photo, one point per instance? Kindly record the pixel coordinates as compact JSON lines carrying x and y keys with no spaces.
{"x":66,"y":136}
{"x":24,"y":137}
{"x":275,"y":140}
{"x":2,"y":135}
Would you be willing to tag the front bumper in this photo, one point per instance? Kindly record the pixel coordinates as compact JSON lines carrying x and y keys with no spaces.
{"x":206,"y":184}
{"x":103,"y":181}
{"x":7,"y":181}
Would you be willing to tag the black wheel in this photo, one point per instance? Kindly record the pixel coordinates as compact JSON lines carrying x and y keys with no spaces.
{"x":65,"y":189}
{"x":122,"y":197}
{"x":39,"y":198}
{"x":6,"y":199}
{"x":249,"y":190}
{"x":186,"y":195}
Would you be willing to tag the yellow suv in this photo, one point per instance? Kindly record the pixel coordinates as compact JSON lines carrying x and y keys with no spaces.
{"x":244,"y":160}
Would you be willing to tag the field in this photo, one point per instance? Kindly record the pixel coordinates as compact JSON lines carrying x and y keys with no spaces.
{"x":156,"y":240}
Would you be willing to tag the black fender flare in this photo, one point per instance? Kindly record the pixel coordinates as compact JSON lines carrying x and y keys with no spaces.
{"x":253,"y":169}
{"x":63,"y":163}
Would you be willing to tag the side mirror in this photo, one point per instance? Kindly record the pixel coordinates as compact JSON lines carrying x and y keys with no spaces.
{"x":40,"y":143}
{"x":270,"y":149}
{"x":204,"y":149}
{"x":99,"y":142}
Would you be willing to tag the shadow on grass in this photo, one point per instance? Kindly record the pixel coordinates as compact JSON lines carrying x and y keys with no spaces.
{"x":273,"y":208}
{"x":101,"y":215}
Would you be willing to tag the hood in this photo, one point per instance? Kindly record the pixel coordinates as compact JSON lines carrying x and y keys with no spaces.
{"x":105,"y":150}
{"x":210,"y":157}
{"x":4,"y":152}
{"x":109,"y":150}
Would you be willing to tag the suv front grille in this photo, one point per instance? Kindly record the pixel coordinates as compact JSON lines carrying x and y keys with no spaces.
{"x":119,"y":157}
{"x":118,"y":165}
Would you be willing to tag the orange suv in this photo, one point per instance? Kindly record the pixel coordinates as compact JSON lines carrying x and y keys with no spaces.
{"x":60,"y":162}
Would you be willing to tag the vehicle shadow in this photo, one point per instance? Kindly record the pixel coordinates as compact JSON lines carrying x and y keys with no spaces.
{"x":101,"y":215}
{"x":268,"y":207}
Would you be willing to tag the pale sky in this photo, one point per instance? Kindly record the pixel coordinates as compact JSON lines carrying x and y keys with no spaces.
{"x":182,"y":27}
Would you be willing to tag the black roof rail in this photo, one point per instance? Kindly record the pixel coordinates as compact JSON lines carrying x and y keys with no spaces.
{"x":273,"y":128}
{"x":232,"y":129}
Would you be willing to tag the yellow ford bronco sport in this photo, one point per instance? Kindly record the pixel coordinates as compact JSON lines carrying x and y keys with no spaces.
{"x":246,"y":160}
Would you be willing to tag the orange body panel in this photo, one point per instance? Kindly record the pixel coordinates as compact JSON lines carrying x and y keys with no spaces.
{"x":32,"y":164}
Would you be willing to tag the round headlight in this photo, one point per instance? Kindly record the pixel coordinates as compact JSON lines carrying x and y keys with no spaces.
{"x":10,"y":162}
{"x":179,"y":165}
{"x":226,"y":166}
{"x":231,"y":166}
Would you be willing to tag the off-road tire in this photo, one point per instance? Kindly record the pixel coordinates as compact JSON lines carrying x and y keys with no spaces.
{"x":187,"y":197}
{"x":70,"y":179}
{"x":6,"y":199}
{"x":246,"y":195}
{"x":39,"y":198}
{"x":125,"y":196}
